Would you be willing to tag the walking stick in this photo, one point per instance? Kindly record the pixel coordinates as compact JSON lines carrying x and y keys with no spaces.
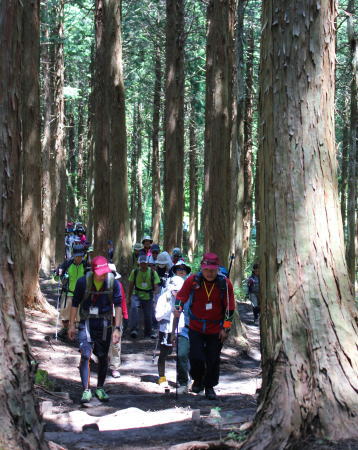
{"x":176,"y":361}
{"x":232,"y":257}
{"x":59,"y":295}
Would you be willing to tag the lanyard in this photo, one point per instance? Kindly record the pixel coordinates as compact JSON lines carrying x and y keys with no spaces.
{"x":211,"y":290}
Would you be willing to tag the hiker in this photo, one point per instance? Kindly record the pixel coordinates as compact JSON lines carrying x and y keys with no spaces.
{"x":69,"y":240}
{"x":95,"y":295}
{"x":176,"y":256}
{"x":163,"y":266}
{"x":110,"y":251}
{"x":115,"y":349}
{"x":164,"y":315}
{"x":253,"y":291}
{"x":154,"y":250}
{"x":211,"y":309}
{"x":144,"y":282}
{"x":181,"y":269}
{"x":136,"y":251}
{"x":69,"y":272}
{"x":80,"y":232}
{"x":147,"y":241}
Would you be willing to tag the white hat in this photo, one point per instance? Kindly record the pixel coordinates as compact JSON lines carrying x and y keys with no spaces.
{"x":164,"y":259}
{"x":117,"y":275}
{"x":175,"y":283}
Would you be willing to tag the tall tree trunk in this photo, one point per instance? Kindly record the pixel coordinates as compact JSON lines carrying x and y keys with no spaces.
{"x":71,"y":167}
{"x":344,"y":166}
{"x":218,"y":127}
{"x":19,"y":32}
{"x":81,"y":174}
{"x":48,"y":248}
{"x":174,"y":125}
{"x":193,"y":185}
{"x":90,"y":158}
{"x":353,"y":134}
{"x":309,"y":320}
{"x":31,"y":160}
{"x":120,"y":230}
{"x":101,"y":207}
{"x":156,"y":198}
{"x":237,"y":165}
{"x":134,"y":171}
{"x":139,"y":177}
{"x":247,"y":154}
{"x":60,"y":179}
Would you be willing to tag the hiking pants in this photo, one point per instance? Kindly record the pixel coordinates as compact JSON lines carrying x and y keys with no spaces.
{"x":183,"y":360}
{"x":115,"y":355}
{"x":98,"y":346}
{"x":165,"y":351}
{"x":147,"y":308}
{"x":204,"y":356}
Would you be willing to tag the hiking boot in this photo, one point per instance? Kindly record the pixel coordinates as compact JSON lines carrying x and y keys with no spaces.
{"x":101,"y":395}
{"x":197,"y":388}
{"x":183,"y":389}
{"x":134,"y":334}
{"x":86,"y":396}
{"x":162,"y":381}
{"x":116,"y":374}
{"x":153,"y":335}
{"x":210,"y":393}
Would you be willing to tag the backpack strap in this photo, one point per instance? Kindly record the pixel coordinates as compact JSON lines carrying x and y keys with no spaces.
{"x":84,"y":315}
{"x":222,"y":285}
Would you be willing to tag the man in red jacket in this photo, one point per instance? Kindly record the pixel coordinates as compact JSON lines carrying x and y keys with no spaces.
{"x":212,"y":306}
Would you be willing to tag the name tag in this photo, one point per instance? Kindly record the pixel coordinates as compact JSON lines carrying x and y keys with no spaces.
{"x":93,"y":310}
{"x":144,"y":285}
{"x":208,"y":306}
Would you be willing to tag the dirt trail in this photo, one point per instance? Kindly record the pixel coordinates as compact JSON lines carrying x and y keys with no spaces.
{"x":139,"y":414}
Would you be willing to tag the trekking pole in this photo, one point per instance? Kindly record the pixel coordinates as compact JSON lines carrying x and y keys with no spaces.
{"x":59,"y":295}
{"x":176,"y":361}
{"x":232,"y":257}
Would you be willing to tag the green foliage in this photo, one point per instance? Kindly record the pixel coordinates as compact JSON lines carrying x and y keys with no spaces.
{"x":42,"y":379}
{"x":237,"y":436}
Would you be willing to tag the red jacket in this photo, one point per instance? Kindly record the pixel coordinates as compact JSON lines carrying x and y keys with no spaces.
{"x":208,"y":304}
{"x":124,"y":302}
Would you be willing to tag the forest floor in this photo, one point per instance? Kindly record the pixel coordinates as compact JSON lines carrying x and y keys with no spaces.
{"x":139,"y":414}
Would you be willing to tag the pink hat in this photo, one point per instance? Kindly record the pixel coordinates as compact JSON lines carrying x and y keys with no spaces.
{"x":210,"y":261}
{"x":100,"y":266}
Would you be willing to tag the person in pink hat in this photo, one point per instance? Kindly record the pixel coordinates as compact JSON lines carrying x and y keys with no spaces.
{"x":95,"y":295}
{"x":211,"y":307}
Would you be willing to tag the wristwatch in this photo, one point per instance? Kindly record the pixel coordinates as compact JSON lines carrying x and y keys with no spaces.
{"x":118,"y":328}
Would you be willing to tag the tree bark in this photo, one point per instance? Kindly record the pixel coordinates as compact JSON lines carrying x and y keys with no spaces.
{"x":193,"y":186}
{"x":60,"y":179}
{"x":48,"y":248}
{"x":71,"y":168}
{"x":101,"y":206}
{"x":19,"y":22}
{"x":353,"y":134}
{"x":218,"y":128}
{"x":237,"y":164}
{"x":174,"y":125}
{"x":134,"y":171}
{"x":247,"y":154}
{"x":156,"y":197}
{"x":31,"y":160}
{"x":308,"y":317}
{"x":120,"y":230}
{"x":139,"y":177}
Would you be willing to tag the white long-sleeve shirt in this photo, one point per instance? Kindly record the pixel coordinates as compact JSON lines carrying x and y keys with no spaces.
{"x":164,"y":313}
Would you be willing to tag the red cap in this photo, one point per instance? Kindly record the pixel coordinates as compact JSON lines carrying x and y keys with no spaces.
{"x":210,"y":261}
{"x":100,"y":265}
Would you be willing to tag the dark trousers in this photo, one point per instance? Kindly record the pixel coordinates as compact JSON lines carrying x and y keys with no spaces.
{"x":99,"y":347}
{"x":136,"y":305}
{"x":204,"y":356}
{"x":165,"y":351}
{"x":183,"y":363}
